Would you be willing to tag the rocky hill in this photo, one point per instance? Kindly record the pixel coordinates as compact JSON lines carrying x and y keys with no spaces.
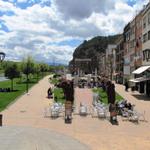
{"x":91,"y":49}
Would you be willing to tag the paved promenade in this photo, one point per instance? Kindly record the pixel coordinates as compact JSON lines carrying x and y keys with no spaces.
{"x":27,"y":138}
{"x":96,"y":134}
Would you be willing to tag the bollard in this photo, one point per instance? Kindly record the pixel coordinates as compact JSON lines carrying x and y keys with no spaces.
{"x":1,"y":117}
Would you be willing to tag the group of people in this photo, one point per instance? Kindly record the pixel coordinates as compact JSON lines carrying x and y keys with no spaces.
{"x":95,"y":82}
{"x":5,"y":90}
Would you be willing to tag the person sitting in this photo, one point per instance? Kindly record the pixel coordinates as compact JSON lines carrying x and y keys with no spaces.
{"x":8,"y":90}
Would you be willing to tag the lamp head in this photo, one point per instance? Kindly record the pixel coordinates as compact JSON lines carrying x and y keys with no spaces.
{"x":2,"y":56}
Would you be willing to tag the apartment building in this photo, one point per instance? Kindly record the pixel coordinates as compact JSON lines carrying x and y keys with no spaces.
{"x":142,"y":74}
{"x":138,"y":38}
{"x":126,"y":45}
{"x":132,"y":45}
{"x":146,"y":50}
{"x":146,"y":35}
{"x":119,"y":60}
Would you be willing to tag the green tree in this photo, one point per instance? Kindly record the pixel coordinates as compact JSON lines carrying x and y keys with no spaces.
{"x":44,"y":68}
{"x":51,"y":69}
{"x":37,"y":70}
{"x":28,"y":67}
{"x":12,"y":71}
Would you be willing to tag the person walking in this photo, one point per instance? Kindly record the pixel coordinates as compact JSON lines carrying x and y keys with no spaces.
{"x":126,"y":85}
{"x":49,"y":93}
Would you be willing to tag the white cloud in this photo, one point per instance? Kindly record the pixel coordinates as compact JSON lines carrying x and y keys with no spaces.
{"x":22,"y":1}
{"x":79,"y":9}
{"x":5,"y":6}
{"x":39,"y":30}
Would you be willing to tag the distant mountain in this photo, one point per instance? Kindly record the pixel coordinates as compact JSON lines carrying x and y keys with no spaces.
{"x":92,"y":49}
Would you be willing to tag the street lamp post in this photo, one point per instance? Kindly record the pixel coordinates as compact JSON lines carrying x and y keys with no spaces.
{"x":2,"y":56}
{"x":27,"y":83}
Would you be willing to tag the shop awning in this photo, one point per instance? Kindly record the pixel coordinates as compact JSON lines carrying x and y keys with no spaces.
{"x":133,"y":80}
{"x":141,"y":70}
{"x":141,"y":79}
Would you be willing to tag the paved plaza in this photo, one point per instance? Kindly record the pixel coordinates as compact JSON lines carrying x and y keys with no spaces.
{"x":96,"y":134}
{"x":25,"y":138}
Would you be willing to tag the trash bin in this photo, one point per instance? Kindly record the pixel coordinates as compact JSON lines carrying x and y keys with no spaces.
{"x":1,"y":117}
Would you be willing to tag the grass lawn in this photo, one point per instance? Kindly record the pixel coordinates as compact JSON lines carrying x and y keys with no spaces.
{"x":103,"y":95}
{"x":1,"y":71}
{"x":59,"y":95}
{"x":19,"y":88}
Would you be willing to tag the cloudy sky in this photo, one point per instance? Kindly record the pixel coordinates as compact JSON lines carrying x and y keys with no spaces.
{"x":50,"y":30}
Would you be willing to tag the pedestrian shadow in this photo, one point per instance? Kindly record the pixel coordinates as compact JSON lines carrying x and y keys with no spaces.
{"x":141,"y":97}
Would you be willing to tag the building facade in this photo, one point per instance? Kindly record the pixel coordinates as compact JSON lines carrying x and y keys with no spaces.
{"x":138,"y":40}
{"x":102,"y":64}
{"x":126,"y":45}
{"x":146,"y":35}
{"x":110,"y":61}
{"x":146,"y":49}
{"x":132,"y":45}
{"x":119,"y":60}
{"x":142,"y":51}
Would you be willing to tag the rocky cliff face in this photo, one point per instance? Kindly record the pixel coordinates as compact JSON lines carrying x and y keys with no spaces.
{"x":91,"y":49}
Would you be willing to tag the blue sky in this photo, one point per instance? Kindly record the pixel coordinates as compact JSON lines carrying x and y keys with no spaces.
{"x":50,"y":30}
{"x":131,"y":2}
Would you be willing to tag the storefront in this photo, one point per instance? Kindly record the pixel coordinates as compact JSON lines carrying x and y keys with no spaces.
{"x":143,"y":83}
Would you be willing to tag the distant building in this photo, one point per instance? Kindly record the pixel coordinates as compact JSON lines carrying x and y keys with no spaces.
{"x":102,"y":64}
{"x":110,"y":61}
{"x":119,"y":60}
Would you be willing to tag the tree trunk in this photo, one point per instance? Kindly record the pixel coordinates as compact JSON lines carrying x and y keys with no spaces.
{"x":27,"y":82}
{"x":12,"y":84}
{"x":37,"y":77}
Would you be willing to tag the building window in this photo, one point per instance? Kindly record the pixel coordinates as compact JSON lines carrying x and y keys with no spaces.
{"x":127,"y":36}
{"x":146,"y":55}
{"x":149,"y":18}
{"x":132,"y":57}
{"x":144,"y":22}
{"x":132,"y":44}
{"x":144,"y":37}
{"x":148,"y":35}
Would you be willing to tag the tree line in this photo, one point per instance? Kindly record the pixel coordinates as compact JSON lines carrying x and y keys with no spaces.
{"x":27,"y":67}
